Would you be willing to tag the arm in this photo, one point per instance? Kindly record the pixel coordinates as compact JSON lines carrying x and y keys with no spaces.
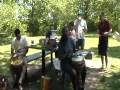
{"x":12,"y":49}
{"x":12,"y":52}
{"x":109,"y":29}
{"x":108,"y":32}
{"x":85,"y":26}
{"x":25,"y":49}
{"x":13,"y":56}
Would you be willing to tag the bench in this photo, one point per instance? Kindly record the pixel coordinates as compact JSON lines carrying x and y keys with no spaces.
{"x":35,"y":56}
{"x":41,"y":55}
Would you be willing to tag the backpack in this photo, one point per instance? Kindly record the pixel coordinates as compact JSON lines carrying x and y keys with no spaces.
{"x":89,"y":55}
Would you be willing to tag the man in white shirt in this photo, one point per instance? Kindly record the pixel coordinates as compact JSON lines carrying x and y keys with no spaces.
{"x":81,"y":27}
{"x":19,"y":49}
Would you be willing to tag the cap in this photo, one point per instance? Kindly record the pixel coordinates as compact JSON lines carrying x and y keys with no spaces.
{"x":81,"y":13}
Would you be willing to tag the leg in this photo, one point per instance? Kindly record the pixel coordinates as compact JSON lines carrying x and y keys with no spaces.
{"x":101,"y":50}
{"x":22,"y":75}
{"x":67,"y":68}
{"x":106,"y":60}
{"x":82,"y":44}
{"x":83,"y":76}
{"x":77,"y":44}
{"x":104,"y":49}
{"x":102,"y":61}
{"x":14,"y":76}
{"x":74,"y":79}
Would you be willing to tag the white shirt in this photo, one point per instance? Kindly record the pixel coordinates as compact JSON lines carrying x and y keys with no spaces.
{"x":19,"y":44}
{"x":80,"y":25}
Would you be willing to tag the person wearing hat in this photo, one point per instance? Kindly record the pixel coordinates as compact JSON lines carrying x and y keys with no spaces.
{"x":104,"y":28}
{"x":80,"y":27}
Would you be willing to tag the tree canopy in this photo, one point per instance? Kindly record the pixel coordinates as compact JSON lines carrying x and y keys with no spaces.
{"x":38,"y":16}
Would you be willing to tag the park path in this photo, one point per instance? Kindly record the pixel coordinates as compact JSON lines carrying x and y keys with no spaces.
{"x":94,"y":74}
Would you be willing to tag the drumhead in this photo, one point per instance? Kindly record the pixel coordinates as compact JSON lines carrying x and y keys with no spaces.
{"x":16,"y":62}
{"x":77,"y":58}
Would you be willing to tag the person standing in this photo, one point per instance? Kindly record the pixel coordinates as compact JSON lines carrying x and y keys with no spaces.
{"x":81,"y":27}
{"x":19,"y":49}
{"x":66,"y":48}
{"x":104,"y":28}
{"x":72,"y":32}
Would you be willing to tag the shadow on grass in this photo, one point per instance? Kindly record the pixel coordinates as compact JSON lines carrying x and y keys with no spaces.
{"x":112,"y":82}
{"x":5,"y":40}
{"x":4,"y":66}
{"x":91,"y":35}
{"x":114,"y":52}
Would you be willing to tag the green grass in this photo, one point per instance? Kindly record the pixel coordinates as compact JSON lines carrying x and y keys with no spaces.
{"x":110,"y":81}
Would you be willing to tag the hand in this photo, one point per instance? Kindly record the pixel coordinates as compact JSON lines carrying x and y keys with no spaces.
{"x":13,"y":58}
{"x":15,"y":55}
{"x":105,"y":33}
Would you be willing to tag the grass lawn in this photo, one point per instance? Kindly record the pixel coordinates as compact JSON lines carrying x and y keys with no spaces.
{"x":111,"y":79}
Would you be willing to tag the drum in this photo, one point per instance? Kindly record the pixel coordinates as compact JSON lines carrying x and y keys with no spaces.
{"x":17,"y":58}
{"x":78,"y":61}
{"x":16,"y":65}
{"x":16,"y":61}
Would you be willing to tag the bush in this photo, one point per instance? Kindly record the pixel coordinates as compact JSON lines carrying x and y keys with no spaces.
{"x":92,"y":26}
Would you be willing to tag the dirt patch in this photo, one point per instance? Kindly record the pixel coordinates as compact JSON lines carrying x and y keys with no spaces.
{"x":94,"y":74}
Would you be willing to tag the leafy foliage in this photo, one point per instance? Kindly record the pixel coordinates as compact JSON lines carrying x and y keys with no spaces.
{"x":38,"y":16}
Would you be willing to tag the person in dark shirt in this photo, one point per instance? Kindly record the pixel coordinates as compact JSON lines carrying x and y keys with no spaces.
{"x":104,"y":28}
{"x":66,"y":49}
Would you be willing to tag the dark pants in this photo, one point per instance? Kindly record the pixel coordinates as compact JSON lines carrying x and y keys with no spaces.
{"x":77,"y":78}
{"x":80,"y":43}
{"x":16,"y":73}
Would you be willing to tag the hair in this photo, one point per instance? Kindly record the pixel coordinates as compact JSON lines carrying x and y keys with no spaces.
{"x":64,"y":37}
{"x":78,"y":14}
{"x":48,"y":34}
{"x":102,"y":14}
{"x":71,"y":23}
{"x":17,"y":31}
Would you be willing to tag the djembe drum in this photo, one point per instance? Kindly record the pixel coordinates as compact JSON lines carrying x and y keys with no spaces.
{"x":16,"y":67}
{"x":79,"y":63}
